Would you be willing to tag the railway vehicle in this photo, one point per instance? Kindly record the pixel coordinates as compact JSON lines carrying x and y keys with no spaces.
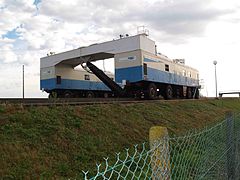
{"x":139,"y":71}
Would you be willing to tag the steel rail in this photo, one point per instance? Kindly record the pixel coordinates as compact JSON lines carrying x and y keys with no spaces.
{"x":83,"y":101}
{"x":73,"y":101}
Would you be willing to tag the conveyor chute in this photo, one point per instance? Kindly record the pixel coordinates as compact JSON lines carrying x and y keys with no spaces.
{"x":106,"y":80}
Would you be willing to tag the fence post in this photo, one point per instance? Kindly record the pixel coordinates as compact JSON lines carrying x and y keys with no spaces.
{"x":160,"y":157}
{"x":230,"y":144}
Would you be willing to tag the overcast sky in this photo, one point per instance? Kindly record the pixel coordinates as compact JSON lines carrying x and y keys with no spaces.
{"x":198,"y":31}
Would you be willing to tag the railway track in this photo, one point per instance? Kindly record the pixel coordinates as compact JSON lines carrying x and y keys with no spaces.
{"x":81,"y":101}
{"x":69,"y":101}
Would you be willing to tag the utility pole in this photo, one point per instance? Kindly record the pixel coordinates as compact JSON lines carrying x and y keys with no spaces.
{"x":23,"y":81}
{"x":215,"y":64}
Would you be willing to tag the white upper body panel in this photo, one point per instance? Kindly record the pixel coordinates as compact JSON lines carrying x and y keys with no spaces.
{"x":80,"y":55}
{"x":67,"y":72}
{"x":159,"y":62}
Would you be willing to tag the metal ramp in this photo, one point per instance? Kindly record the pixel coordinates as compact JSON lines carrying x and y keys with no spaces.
{"x":106,"y":80}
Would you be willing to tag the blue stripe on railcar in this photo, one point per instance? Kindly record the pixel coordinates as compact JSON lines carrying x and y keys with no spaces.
{"x":132,"y":74}
{"x":135,"y":74}
{"x":49,"y":84}
{"x":150,"y":60}
{"x":169,"y":78}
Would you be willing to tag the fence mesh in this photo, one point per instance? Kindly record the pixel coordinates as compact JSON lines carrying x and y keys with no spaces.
{"x":213,"y":153}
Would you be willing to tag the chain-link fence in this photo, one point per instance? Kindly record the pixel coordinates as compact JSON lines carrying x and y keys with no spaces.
{"x":213,"y":153}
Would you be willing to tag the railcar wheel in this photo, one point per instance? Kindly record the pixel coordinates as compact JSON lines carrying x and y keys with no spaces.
{"x":90,"y":94}
{"x":178,"y":93}
{"x":105,"y":95}
{"x":169,"y":92}
{"x":52,"y":95}
{"x":197,"y":94}
{"x":68,"y":94}
{"x":189,"y":93}
{"x":152,"y":91}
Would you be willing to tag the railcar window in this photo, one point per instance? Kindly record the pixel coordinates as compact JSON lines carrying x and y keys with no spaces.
{"x":59,"y":79}
{"x":87,"y":77}
{"x":145,"y":68}
{"x":166,"y":67}
{"x":184,"y":73}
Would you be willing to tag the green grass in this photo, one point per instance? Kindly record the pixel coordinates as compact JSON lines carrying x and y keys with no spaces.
{"x":60,"y":142}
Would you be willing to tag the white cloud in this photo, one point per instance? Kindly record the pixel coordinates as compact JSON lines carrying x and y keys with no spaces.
{"x":7,"y":54}
{"x":13,"y":12}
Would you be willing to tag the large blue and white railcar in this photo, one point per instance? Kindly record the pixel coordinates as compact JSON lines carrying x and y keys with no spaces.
{"x":139,"y":69}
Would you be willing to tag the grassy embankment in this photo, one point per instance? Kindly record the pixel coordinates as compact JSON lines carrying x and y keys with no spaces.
{"x":59,"y":142}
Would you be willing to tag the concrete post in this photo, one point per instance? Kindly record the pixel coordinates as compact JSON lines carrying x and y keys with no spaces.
{"x":159,"y":145}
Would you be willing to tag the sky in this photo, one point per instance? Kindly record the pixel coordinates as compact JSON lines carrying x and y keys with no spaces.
{"x":198,"y":31}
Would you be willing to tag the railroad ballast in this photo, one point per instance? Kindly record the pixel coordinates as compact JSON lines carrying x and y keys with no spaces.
{"x":139,"y":72}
